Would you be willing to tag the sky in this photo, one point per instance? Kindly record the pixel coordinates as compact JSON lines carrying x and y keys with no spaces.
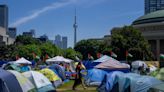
{"x":95,"y":18}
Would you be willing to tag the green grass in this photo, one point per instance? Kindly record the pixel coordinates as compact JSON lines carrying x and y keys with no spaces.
{"x":67,"y":87}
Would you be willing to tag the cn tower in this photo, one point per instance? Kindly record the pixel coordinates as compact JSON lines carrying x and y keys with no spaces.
{"x":75,"y":29}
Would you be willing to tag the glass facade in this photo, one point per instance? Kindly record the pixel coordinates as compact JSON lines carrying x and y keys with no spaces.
{"x":153,"y":5}
{"x":4,"y":16}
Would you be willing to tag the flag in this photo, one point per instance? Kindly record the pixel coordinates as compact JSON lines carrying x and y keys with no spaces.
{"x":99,"y":55}
{"x":113,"y":54}
{"x":128,"y":54}
{"x":162,"y":56}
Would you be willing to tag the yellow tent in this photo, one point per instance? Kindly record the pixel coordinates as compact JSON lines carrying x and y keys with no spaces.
{"x":76,"y":63}
{"x":50,"y":74}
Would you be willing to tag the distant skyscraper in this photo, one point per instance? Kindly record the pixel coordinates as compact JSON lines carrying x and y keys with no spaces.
{"x":64,"y":42}
{"x":75,"y":29}
{"x":153,"y":5}
{"x":58,"y":42}
{"x":31,"y":33}
{"x":4,"y":16}
{"x":12,"y":32}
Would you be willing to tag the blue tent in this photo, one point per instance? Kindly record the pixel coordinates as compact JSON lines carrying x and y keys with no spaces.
{"x":142,"y":83}
{"x":94,"y":77}
{"x":59,"y":70}
{"x":110,"y":82}
{"x":8,"y":82}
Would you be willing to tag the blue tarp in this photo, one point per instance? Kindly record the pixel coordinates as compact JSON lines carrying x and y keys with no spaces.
{"x":8,"y":82}
{"x":94,"y":77}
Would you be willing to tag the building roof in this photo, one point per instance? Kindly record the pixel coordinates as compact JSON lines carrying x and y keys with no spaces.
{"x":157,"y":16}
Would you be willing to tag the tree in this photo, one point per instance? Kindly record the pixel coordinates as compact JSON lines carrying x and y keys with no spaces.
{"x":130,"y":39}
{"x":86,"y":47}
{"x":24,"y":40}
{"x":71,"y":54}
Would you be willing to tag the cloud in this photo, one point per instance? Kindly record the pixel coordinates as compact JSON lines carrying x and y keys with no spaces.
{"x":37,"y":13}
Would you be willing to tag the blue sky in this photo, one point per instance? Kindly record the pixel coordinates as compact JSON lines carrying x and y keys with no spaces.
{"x":95,"y":18}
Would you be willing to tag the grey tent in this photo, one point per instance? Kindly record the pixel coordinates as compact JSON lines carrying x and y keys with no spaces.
{"x":8,"y":82}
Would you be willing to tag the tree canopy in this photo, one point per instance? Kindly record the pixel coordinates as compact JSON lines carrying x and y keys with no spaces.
{"x":130,"y":39}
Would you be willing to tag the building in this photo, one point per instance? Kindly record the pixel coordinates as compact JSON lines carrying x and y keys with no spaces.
{"x":5,"y":39}
{"x":12,"y":32}
{"x":64,"y":42}
{"x":58,"y":41}
{"x":43,"y":38}
{"x":153,"y":5}
{"x":152,"y":27}
{"x":31,"y":33}
{"x":4,"y":16}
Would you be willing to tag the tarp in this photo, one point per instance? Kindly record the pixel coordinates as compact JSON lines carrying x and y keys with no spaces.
{"x":59,"y":59}
{"x":26,"y":85}
{"x":22,"y":61}
{"x":94,"y":77}
{"x":103,"y":58}
{"x":157,"y":88}
{"x":59,"y":70}
{"x":39,"y":80}
{"x":112,"y":64}
{"x":8,"y":82}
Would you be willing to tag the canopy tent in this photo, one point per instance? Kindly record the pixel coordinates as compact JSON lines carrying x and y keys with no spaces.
{"x":25,"y":84}
{"x":39,"y":80}
{"x":8,"y":82}
{"x":22,"y":61}
{"x":52,"y":76}
{"x":157,"y":88}
{"x":112,"y":64}
{"x":59,"y":59}
{"x":94,"y":77}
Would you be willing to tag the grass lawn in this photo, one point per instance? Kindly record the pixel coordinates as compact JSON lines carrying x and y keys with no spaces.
{"x":67,"y":87}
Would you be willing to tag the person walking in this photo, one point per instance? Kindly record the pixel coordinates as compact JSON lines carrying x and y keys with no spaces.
{"x":78,"y":77}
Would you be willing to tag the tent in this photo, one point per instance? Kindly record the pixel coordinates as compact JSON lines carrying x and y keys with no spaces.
{"x":52,"y":76}
{"x":10,"y":66}
{"x":22,"y":61}
{"x":139,"y":83}
{"x":138,"y":63}
{"x":59,"y":59}
{"x":25,"y":84}
{"x":160,"y":75}
{"x":59,"y":70}
{"x":94,"y":77}
{"x":8,"y":82}
{"x":111,"y":82}
{"x":113,"y":65}
{"x":103,"y":58}
{"x":157,"y":88}
{"x":41,"y":83}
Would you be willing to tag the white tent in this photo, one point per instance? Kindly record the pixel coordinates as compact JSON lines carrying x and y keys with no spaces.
{"x":22,"y":61}
{"x":59,"y":59}
{"x":39,"y":80}
{"x":25,"y":83}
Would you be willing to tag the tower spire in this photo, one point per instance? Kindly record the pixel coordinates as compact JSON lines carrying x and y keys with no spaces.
{"x":75,"y":28}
